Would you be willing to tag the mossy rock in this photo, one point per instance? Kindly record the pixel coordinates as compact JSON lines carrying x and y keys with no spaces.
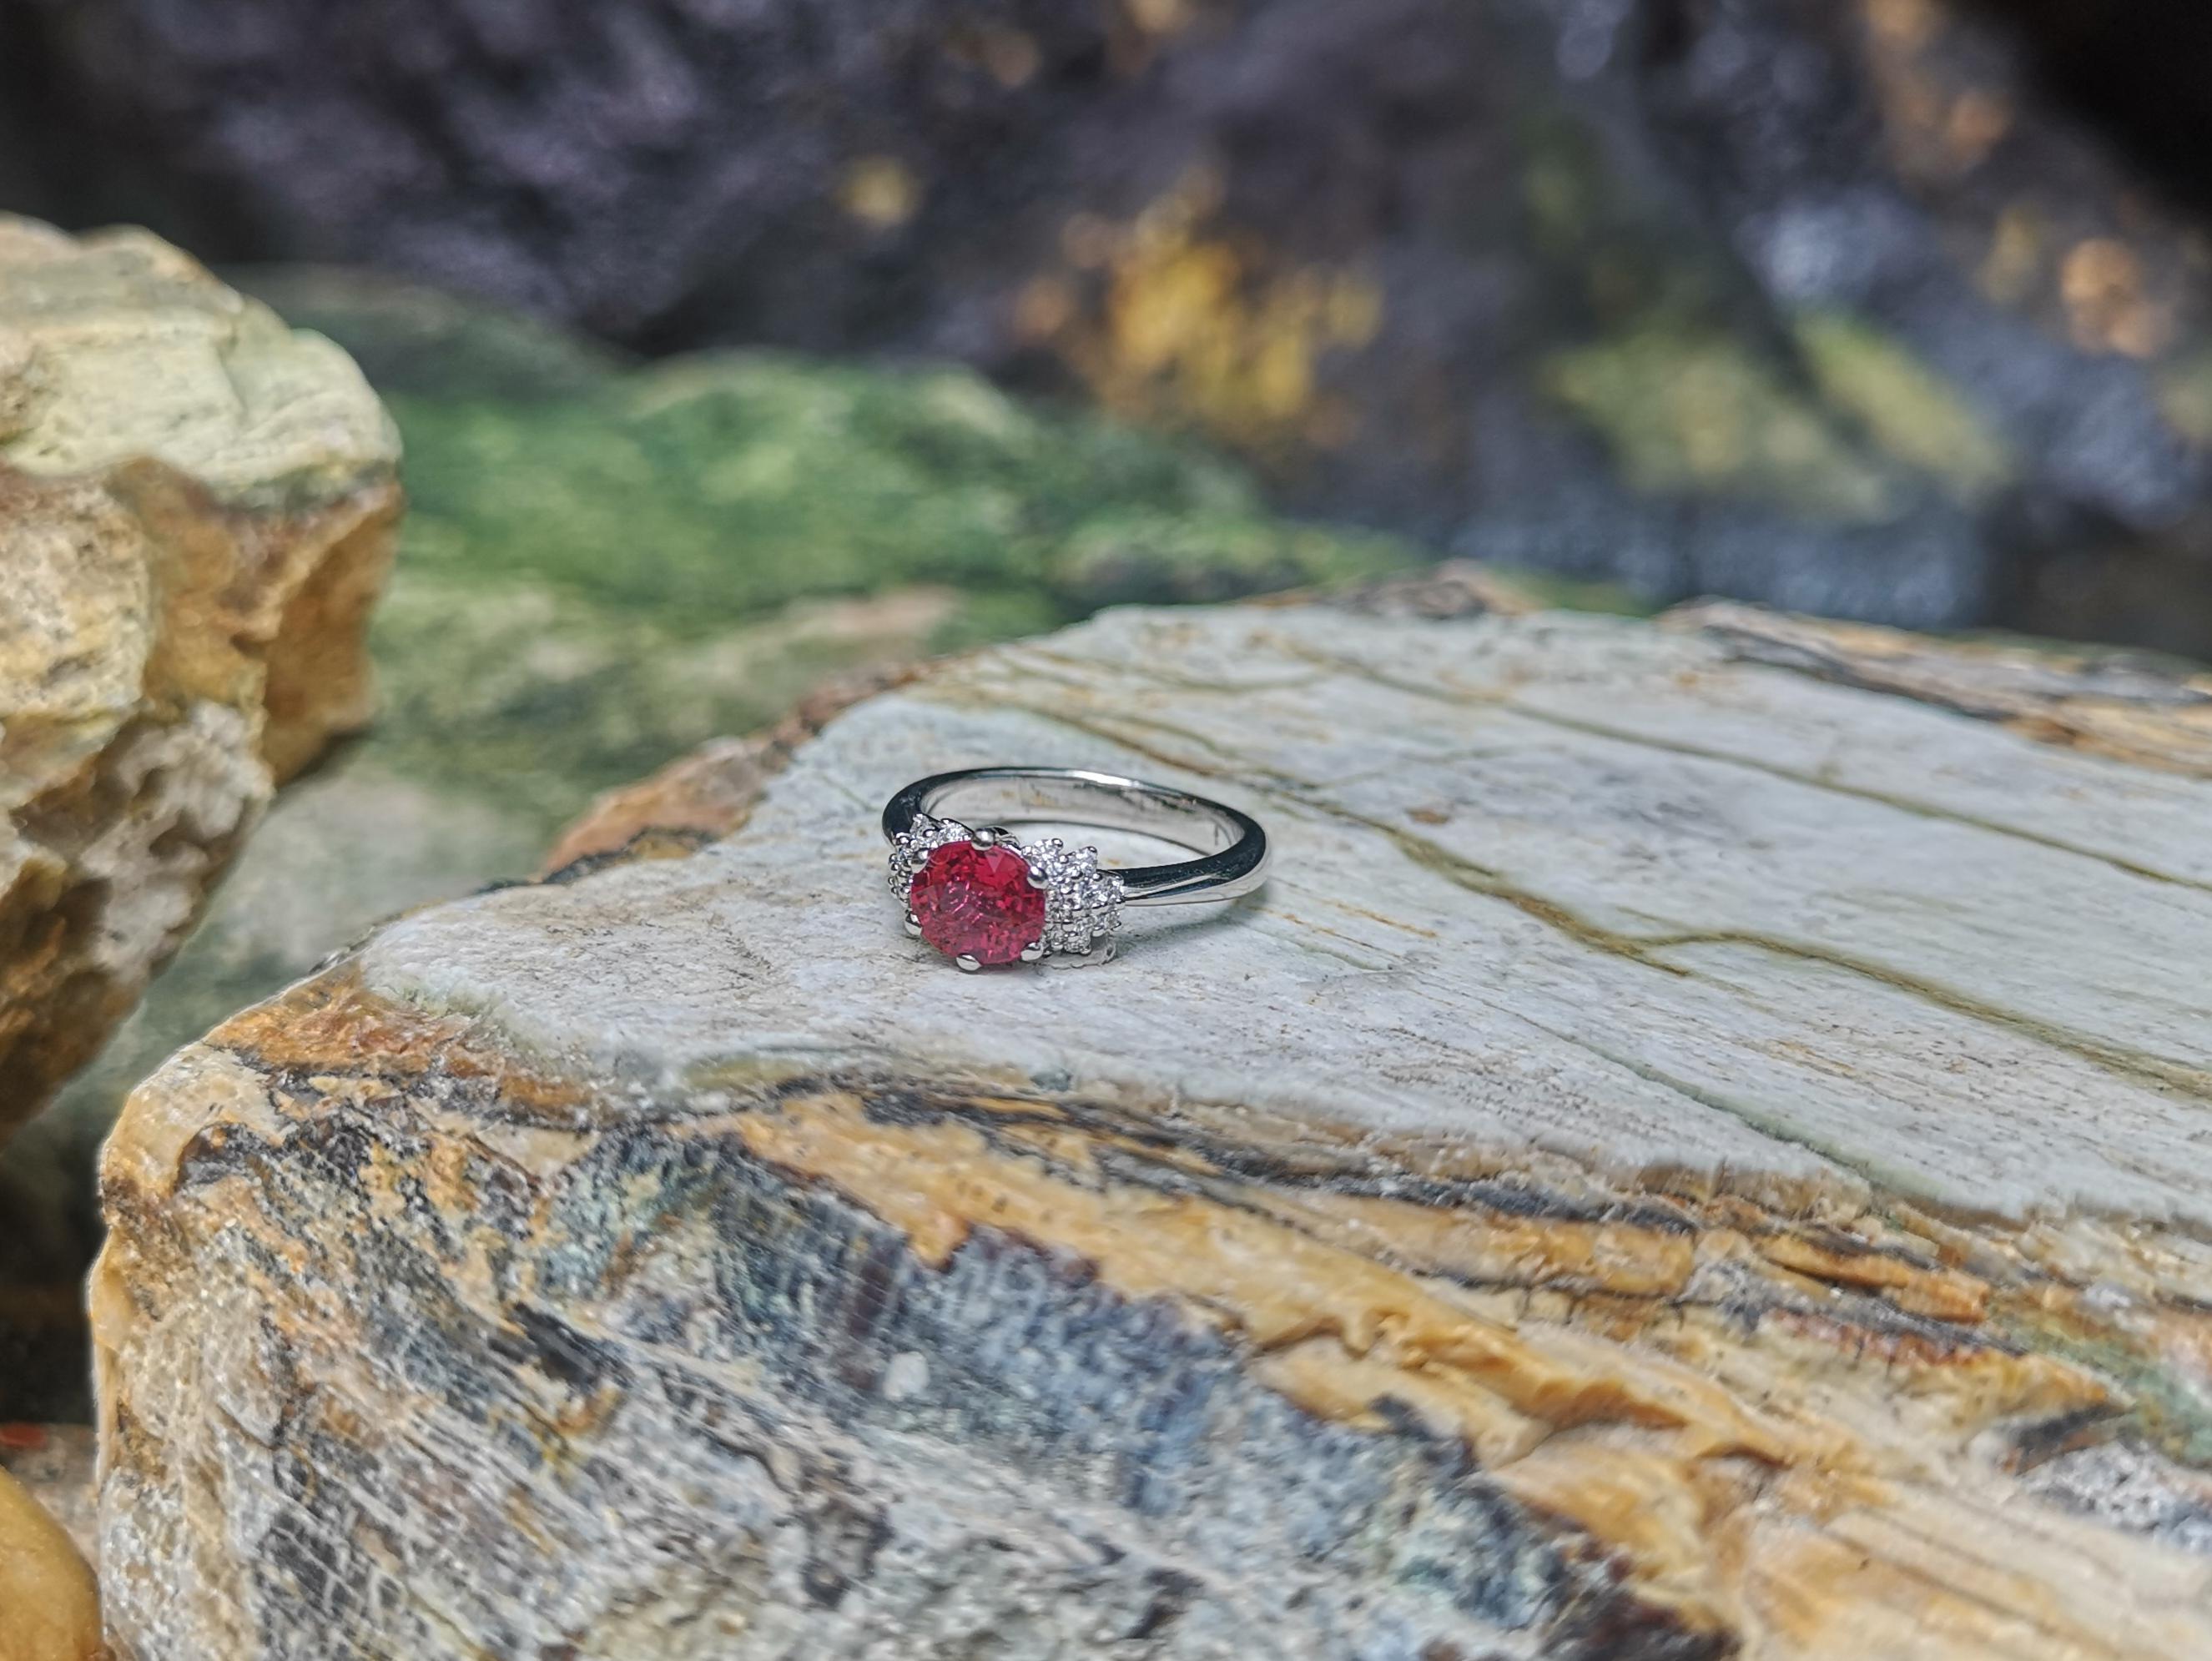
{"x":605,"y":562}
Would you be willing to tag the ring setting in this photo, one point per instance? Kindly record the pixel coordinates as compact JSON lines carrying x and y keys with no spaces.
{"x":984,"y":897}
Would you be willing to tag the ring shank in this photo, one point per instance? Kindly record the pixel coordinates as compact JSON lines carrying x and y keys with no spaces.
{"x":1232,"y":845}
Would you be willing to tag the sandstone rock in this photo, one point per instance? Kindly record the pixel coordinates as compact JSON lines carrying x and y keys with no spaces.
{"x":53,"y":1464}
{"x":1693,"y":1153}
{"x":1842,"y":305}
{"x":49,"y":1607}
{"x":196,"y":508}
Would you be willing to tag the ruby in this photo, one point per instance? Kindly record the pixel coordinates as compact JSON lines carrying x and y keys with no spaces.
{"x":977,"y":902}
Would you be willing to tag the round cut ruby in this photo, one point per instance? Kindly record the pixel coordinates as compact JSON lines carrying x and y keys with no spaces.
{"x":977,"y":902}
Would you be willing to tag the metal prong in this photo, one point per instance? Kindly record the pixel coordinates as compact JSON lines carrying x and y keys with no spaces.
{"x":1038,"y":879}
{"x":986,"y":837}
{"x":914,"y":926}
{"x":969,"y":963}
{"x":1032,"y":952}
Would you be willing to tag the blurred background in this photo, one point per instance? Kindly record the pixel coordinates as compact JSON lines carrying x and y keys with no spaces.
{"x":1892,"y":308}
{"x":740,"y":343}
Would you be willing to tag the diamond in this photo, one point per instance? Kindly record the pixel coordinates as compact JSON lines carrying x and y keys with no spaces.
{"x":977,"y":903}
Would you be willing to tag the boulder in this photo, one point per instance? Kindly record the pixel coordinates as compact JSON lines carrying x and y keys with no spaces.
{"x":53,"y":1464}
{"x":196,"y":510}
{"x":1895,"y":310}
{"x":1693,"y":1153}
{"x":49,"y":1605}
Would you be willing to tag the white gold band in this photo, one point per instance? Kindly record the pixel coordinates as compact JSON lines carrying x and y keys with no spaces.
{"x":1233,"y":848}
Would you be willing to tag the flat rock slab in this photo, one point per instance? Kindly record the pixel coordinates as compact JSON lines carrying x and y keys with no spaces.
{"x":1695,"y":1152}
{"x":196,"y":508}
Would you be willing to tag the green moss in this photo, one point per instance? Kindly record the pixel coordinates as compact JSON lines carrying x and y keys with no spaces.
{"x":591,"y":583}
{"x":1691,"y":411}
{"x":535,"y":696}
{"x":721,"y":489}
{"x":1910,"y":411}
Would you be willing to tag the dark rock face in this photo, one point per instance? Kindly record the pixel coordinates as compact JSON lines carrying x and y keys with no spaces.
{"x":1838,"y":306}
{"x":1081,"y":1461}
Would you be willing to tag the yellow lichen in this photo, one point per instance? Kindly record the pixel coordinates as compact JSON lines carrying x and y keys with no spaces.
{"x":1197,"y":326}
{"x":880,"y":191}
{"x":2014,"y":260}
{"x":2107,"y":307}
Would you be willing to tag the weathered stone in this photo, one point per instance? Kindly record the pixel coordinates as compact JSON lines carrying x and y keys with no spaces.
{"x":1692,"y":1153}
{"x":1841,"y":304}
{"x":49,"y":1606}
{"x":783,"y":528}
{"x":196,"y":508}
{"x":53,"y":1464}
{"x":604,"y":565}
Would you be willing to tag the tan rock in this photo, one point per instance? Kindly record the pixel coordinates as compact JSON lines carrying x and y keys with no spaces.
{"x":197,"y":509}
{"x":49,"y":1608}
{"x":1696,"y":1153}
{"x":54,"y":1465}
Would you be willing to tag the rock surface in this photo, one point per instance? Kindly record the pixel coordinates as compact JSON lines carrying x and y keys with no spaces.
{"x":49,"y":1606}
{"x":54,"y":1463}
{"x":196,"y":508}
{"x":1838,"y":304}
{"x":1693,"y":1153}
{"x":604,"y":565}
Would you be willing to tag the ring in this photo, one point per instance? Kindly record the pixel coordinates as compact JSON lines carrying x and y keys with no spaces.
{"x":982,"y":896}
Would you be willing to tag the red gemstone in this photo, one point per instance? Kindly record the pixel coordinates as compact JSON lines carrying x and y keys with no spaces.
{"x":977,"y":902}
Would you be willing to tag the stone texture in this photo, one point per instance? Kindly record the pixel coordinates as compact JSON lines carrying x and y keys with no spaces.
{"x":196,"y":508}
{"x":49,"y":1606}
{"x":1693,"y":1153}
{"x":604,"y":565}
{"x":1844,"y":306}
{"x":53,"y":1464}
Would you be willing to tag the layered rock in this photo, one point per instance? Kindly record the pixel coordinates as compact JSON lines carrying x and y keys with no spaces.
{"x":1692,"y":1154}
{"x":197,"y":509}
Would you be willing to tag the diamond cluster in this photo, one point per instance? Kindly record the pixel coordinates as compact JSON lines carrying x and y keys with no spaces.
{"x":910,"y":850}
{"x":1082,"y":903}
